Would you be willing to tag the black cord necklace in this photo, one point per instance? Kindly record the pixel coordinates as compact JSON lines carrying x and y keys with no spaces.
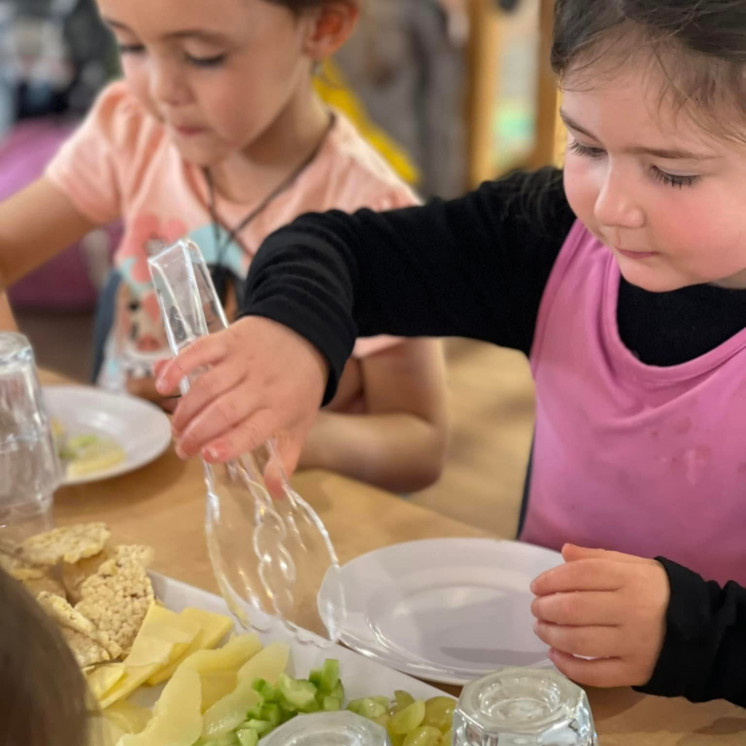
{"x":221,"y":275}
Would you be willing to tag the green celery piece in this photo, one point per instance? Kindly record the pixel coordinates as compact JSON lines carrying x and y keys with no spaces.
{"x":272,"y":713}
{"x":297,"y":694}
{"x":247,"y":737}
{"x":80,"y":442}
{"x":268,"y":691}
{"x":262,"y":727}
{"x":315,"y":677}
{"x":338,"y":691}
{"x":331,"y":704}
{"x":329,"y":675}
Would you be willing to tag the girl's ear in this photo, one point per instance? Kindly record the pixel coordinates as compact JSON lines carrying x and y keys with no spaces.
{"x":330,"y":26}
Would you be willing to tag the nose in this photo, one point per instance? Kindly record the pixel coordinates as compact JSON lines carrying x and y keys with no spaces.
{"x":617,"y":205}
{"x":167,"y":85}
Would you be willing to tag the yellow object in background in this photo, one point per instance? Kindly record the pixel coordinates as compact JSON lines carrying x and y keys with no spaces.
{"x":331,"y":86}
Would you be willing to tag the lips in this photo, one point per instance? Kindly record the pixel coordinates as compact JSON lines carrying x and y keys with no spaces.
{"x":635,"y":254}
{"x":186,"y":131}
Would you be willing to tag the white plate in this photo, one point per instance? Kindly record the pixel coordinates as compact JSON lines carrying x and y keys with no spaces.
{"x":447,"y":610}
{"x":138,"y":426}
{"x":361,"y":677}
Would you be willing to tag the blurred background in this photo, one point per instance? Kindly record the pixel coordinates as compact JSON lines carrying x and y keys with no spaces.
{"x":451,"y":92}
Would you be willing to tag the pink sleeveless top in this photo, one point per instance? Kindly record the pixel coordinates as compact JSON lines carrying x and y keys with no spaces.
{"x":632,"y":457}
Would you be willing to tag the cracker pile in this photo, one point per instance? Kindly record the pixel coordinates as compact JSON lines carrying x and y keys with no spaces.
{"x":97,"y":593}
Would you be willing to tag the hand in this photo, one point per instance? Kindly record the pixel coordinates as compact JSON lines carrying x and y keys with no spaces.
{"x":603,"y":606}
{"x":263,"y":380}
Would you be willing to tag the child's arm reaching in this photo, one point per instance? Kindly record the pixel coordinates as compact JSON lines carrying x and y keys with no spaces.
{"x":474,"y":267}
{"x":652,"y":624}
{"x":35,"y":224}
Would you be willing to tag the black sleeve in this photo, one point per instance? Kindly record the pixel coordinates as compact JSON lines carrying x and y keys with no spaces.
{"x":704,"y":654}
{"x":472,"y":267}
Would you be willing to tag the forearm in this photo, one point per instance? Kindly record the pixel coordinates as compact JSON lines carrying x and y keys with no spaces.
{"x":398,"y":452}
{"x":704,"y":654}
{"x":36,"y":224}
{"x":7,"y":321}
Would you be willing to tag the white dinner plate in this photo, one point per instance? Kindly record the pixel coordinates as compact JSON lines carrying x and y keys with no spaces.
{"x":139,"y":427}
{"x":446,"y":610}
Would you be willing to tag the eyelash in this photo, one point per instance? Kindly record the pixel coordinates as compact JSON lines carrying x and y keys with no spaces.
{"x":203,"y":62}
{"x":672,"y":180}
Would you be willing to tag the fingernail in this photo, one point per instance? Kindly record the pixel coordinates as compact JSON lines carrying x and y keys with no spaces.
{"x":180,"y":452}
{"x":160,"y":386}
{"x":212,"y":453}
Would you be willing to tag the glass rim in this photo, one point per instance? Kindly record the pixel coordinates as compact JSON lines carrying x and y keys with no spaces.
{"x":470,"y":705}
{"x":13,"y":345}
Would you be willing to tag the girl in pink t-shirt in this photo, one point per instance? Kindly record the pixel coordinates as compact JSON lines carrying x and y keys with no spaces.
{"x":623,"y":279}
{"x":216,"y":133}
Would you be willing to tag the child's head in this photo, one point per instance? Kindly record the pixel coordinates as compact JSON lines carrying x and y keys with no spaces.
{"x":219,"y":73}
{"x":42,"y":691}
{"x":654,"y":96}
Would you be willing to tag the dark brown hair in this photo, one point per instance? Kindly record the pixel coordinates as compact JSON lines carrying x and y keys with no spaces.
{"x":698,"y":45}
{"x":42,"y":691}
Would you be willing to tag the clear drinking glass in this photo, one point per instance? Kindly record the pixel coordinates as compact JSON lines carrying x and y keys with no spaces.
{"x":328,"y":729}
{"x":523,"y":707}
{"x":269,"y":556}
{"x":30,"y":471}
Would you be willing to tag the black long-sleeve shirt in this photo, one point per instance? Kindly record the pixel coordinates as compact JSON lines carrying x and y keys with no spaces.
{"x":477,"y":267}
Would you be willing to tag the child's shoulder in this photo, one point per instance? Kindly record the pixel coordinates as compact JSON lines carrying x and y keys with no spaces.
{"x":122,"y":120}
{"x":363,"y":176}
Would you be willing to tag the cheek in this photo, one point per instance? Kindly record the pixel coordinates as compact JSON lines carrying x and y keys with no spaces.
{"x":136,"y":74}
{"x":581,"y":188}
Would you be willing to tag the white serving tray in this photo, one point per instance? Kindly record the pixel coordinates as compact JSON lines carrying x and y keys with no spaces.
{"x":360,"y":676}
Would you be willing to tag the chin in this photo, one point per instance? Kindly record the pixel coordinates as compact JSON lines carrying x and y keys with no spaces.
{"x":653,"y":281}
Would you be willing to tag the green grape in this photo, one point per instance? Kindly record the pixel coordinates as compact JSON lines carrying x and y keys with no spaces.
{"x":425,"y":735}
{"x":402,"y":699}
{"x":439,"y":712}
{"x":409,"y":718}
{"x":447,"y":738}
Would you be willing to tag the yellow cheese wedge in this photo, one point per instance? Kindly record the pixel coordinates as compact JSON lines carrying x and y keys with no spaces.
{"x":176,"y":720}
{"x":213,"y":628}
{"x":102,"y":678}
{"x":231,"y":710}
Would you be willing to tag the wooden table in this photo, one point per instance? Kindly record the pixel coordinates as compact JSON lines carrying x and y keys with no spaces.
{"x":163,"y":503}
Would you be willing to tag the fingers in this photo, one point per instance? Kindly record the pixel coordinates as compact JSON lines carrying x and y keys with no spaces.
{"x":582,"y":575}
{"x":204,"y":351}
{"x":602,"y":672}
{"x":573,"y":553}
{"x":245,"y":436}
{"x":579,"y":609}
{"x":208,"y":389}
{"x":589,"y":642}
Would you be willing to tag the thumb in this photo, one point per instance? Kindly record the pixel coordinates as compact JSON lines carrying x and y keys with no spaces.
{"x":288,"y":446}
{"x":573,"y":553}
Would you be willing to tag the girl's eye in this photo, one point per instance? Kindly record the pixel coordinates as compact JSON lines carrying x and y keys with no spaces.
{"x":215,"y":61}
{"x":674,"y":180}
{"x":131,"y":48}
{"x":586,"y":150}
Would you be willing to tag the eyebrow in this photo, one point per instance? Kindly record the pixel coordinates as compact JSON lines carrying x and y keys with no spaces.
{"x":199,"y":34}
{"x":665,"y":153}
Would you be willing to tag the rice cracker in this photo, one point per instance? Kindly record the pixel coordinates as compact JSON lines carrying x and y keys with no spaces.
{"x":74,"y":575}
{"x":116,"y":599}
{"x":88,"y":644}
{"x":68,"y":544}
